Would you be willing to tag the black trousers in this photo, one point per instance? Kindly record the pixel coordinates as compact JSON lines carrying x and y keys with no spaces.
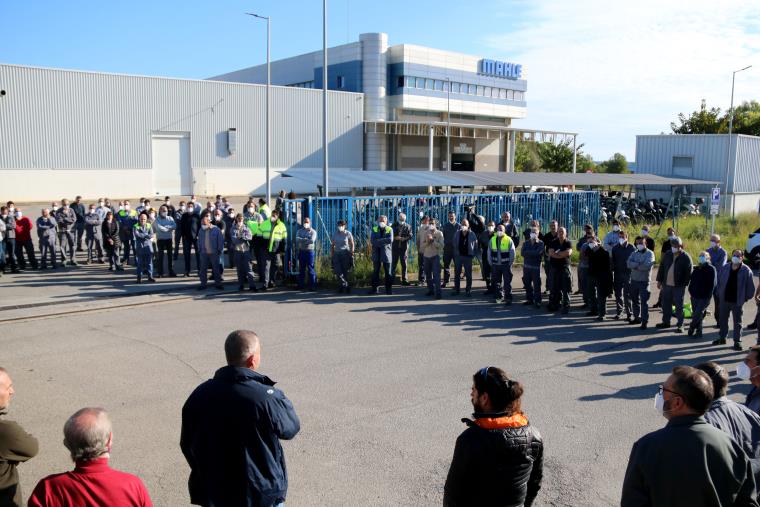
{"x":164,"y":247}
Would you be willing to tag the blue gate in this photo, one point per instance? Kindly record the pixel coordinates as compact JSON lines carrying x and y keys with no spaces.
{"x":571,"y":209}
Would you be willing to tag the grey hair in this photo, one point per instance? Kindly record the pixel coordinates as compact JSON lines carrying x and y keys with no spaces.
{"x":239,"y":346}
{"x":87,"y":434}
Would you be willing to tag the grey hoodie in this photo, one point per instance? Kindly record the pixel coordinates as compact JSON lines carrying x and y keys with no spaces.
{"x":640,"y":263}
{"x":165,"y":227}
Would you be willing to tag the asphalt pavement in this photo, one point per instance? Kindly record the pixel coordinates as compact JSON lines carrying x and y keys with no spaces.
{"x":380,"y":382}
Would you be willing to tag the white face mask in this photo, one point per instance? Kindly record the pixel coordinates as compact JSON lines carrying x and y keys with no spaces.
{"x":126,"y":207}
{"x":659,"y":403}
{"x":432,"y":227}
{"x":671,"y":236}
{"x":251,"y":211}
{"x":675,"y":250}
{"x":464,"y":227}
{"x":341,"y":228}
{"x":381,"y":224}
{"x":645,"y":233}
{"x":736,"y":260}
{"x":307,"y":225}
{"x":92,"y":210}
{"x":712,"y":244}
{"x":641,"y":247}
{"x":182,"y":208}
{"x":622,"y":241}
{"x":533,"y":235}
{"x":615,"y":228}
{"x":65,"y":206}
{"x":231,"y":214}
{"x":11,"y":209}
{"x":273,"y":220}
{"x":163,"y":214}
{"x":204,"y":226}
{"x":500,"y":233}
{"x":743,"y":371}
{"x":491,"y":228}
{"x":18,"y":214}
{"x":152,"y":216}
{"x":100,"y":204}
{"x":55,"y":208}
{"x":217,"y":217}
{"x":401,"y":220}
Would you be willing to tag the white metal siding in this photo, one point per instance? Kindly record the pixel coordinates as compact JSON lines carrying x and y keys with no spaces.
{"x":748,"y":165}
{"x":59,"y":119}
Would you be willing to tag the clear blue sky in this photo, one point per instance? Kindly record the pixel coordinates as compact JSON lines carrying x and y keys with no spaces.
{"x":605,"y":70}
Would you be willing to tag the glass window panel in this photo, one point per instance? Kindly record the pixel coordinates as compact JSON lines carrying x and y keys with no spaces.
{"x":472,"y":89}
{"x":428,"y":84}
{"x":420,"y":83}
{"x":439,"y":85}
{"x":502,"y":93}
{"x":487,"y":91}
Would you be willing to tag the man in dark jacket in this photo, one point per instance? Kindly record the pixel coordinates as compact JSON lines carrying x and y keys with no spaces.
{"x":484,"y":239}
{"x":80,"y":212}
{"x":672,"y":278}
{"x":703,"y":281}
{"x":449,"y":229}
{"x":688,"y":463}
{"x":16,"y":446}
{"x":402,"y":234}
{"x":735,"y":419}
{"x":66,"y":219}
{"x":231,"y":431}
{"x":510,"y":228}
{"x":735,"y":287}
{"x":9,"y":219}
{"x":599,"y":278}
{"x":499,"y":458}
{"x":190,"y":224}
{"x":622,"y":275}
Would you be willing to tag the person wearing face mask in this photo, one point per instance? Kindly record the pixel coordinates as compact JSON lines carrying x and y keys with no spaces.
{"x":190,"y":224}
{"x":306,"y":241}
{"x":611,"y":238}
{"x":734,"y":419}
{"x":342,"y":254}
{"x":217,"y":219}
{"x":599,"y":279}
{"x":510,"y":229}
{"x":735,"y":287}
{"x":165,"y":227}
{"x":532,"y":253}
{"x":112,"y":241}
{"x":432,"y":248}
{"x":240,"y":235}
{"x":582,"y":269}
{"x":102,"y":209}
{"x":24,"y":243}
{"x":177,"y":216}
{"x":559,"y":253}
{"x":621,"y":276}
{"x":94,"y":234}
{"x":673,"y":276}
{"x":211,"y":246}
{"x":274,"y":235}
{"x":704,"y":279}
{"x":749,"y":369}
{"x":229,"y":220}
{"x":465,"y":248}
{"x":666,"y":465}
{"x":449,"y":229}
{"x":666,"y":247}
{"x":381,"y":241}
{"x":47,"y":237}
{"x":484,"y":239}
{"x":3,"y":229}
{"x":648,"y":241}
{"x":144,"y":235}
{"x":79,"y":211}
{"x":127,"y":219}
{"x":501,"y":255}
{"x":402,"y":233}
{"x":499,"y":458}
{"x":421,"y":235}
{"x":548,"y":238}
{"x":719,"y":259}
{"x":264,"y":209}
{"x":640,"y":263}
{"x":250,"y":212}
{"x":9,"y":220}
{"x":67,"y":220}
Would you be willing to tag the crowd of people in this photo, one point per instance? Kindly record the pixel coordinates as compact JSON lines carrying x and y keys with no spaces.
{"x":707,"y":454}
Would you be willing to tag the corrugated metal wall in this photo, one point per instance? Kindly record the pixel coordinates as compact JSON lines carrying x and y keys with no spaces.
{"x":67,"y":119}
{"x":654,"y":155}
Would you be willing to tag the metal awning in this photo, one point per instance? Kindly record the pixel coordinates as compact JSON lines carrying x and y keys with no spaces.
{"x":466,"y":130}
{"x":347,"y":179}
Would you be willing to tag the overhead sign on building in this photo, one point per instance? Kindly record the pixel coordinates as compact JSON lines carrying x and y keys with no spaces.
{"x":500,"y":69}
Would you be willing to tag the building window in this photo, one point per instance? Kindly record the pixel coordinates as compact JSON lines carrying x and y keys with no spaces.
{"x":428,"y":84}
{"x":502,"y":93}
{"x":487,"y":91}
{"x":454,"y":87}
{"x":400,"y":81}
{"x":683,"y":166}
{"x":341,"y":81}
{"x":439,"y":85}
{"x":472,"y":89}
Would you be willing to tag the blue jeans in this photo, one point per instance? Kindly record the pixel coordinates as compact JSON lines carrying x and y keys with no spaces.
{"x":213,"y":260}
{"x":737,"y":311}
{"x":376,"y":274}
{"x":306,"y":263}
{"x":144,"y":258}
{"x":698,"y":307}
{"x":433,"y":274}
{"x":640,"y":300}
{"x":460,"y":263}
{"x":672,"y":296}
{"x":243,"y":267}
{"x":622,"y":286}
{"x":532,"y":281}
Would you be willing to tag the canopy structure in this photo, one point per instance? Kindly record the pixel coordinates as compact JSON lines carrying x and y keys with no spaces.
{"x":349,"y":180}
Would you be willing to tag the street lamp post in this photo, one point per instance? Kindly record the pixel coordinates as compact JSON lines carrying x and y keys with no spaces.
{"x":325,"y":174}
{"x":730,"y":127}
{"x":448,"y":124}
{"x":268,"y":115}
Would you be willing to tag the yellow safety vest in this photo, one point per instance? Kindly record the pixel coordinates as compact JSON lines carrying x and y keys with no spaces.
{"x":279,"y":233}
{"x":265,"y":229}
{"x":504,"y":247}
{"x":266,"y":211}
{"x":253,"y":225}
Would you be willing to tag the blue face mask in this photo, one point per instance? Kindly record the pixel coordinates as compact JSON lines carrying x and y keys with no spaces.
{"x":702,"y":259}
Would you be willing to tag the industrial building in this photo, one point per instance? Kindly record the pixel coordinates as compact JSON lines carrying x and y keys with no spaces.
{"x":712,"y":157}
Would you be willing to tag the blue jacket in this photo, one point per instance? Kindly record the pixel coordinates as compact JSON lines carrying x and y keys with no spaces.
{"x":718,"y":256}
{"x":231,"y":431}
{"x":381,"y":241}
{"x":703,"y":281}
{"x":532,"y":254}
{"x":216,"y":240}
{"x":472,"y":244}
{"x":744,"y":285}
{"x":46,"y":230}
{"x":143,"y":238}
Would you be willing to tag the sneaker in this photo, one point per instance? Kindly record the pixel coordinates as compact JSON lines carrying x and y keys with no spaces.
{"x":617,"y":316}
{"x":752,"y":326}
{"x":600,"y":318}
{"x":679,"y":329}
{"x":662,"y":325}
{"x":139,"y":280}
{"x":152,"y":280}
{"x":405,"y":282}
{"x":499,"y":300}
{"x":634,"y":321}
{"x":241,"y":288}
{"x":691,"y":331}
{"x":719,"y":341}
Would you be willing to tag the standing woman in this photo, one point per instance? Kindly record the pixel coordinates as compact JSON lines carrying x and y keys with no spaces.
{"x":342,"y":253}
{"x":240,"y":237}
{"x":111,"y":242}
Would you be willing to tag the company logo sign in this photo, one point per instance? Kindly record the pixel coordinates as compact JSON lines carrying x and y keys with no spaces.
{"x":500,"y":69}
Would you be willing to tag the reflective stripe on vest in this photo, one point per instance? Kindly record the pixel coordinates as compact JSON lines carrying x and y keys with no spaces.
{"x":264,"y":210}
{"x":279,"y":233}
{"x":506,"y":246}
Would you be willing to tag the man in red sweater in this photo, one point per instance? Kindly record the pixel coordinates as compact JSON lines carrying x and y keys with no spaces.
{"x":24,"y":240}
{"x":87,"y":435}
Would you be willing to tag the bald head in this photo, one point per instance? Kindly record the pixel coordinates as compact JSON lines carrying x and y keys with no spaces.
{"x":243,"y":349}
{"x":6,"y":390}
{"x":87,"y":434}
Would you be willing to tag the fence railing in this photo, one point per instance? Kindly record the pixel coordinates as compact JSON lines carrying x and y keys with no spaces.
{"x":571,"y":209}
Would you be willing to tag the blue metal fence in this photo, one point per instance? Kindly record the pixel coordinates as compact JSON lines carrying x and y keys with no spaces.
{"x":571,"y":209}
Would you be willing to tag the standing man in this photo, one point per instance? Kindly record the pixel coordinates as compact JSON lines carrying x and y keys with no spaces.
{"x":231,"y":431}
{"x":421,"y":235}
{"x":664,"y":250}
{"x":93,"y":223}
{"x":622,"y":276}
{"x":449,"y":229}
{"x":144,"y":234}
{"x":275,"y":235}
{"x":88,"y":435}
{"x":9,"y":220}
{"x":748,"y":370}
{"x":79,"y":211}
{"x":532,"y":252}
{"x":46,"y":235}
{"x":501,"y":255}
{"x":190,"y":225}
{"x":165,"y":229}
{"x":264,"y":209}
{"x":465,"y":248}
{"x":688,"y":463}
{"x":704,"y":280}
{"x":484,"y":239}
{"x":510,"y":229}
{"x":672,"y":278}
{"x":718,"y":258}
{"x":24,"y":243}
{"x":16,"y":446}
{"x":648,"y":241}
{"x":240,"y":235}
{"x":402,"y":233}
{"x":432,"y":247}
{"x":548,"y":238}
{"x":112,"y":241}
{"x":211,"y":246}
{"x":342,"y":254}
{"x":640,"y":263}
{"x":735,"y":287}
{"x":499,"y":458}
{"x":67,"y":221}
{"x":177,"y":215}
{"x":560,"y":251}
{"x":612,"y":237}
{"x":127,"y":219}
{"x":582,"y":268}
{"x":381,"y":240}
{"x":599,"y":279}
{"x":306,"y":240}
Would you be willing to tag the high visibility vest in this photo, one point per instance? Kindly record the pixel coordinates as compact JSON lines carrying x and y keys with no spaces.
{"x":388,"y":230}
{"x":266,"y":211}
{"x":265,"y":229}
{"x":504,"y":246}
{"x":279,"y":233}
{"x":253,"y":225}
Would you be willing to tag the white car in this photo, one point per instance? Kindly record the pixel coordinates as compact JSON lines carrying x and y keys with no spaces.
{"x":752,"y":252}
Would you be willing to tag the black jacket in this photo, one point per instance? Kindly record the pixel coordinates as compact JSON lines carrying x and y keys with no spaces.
{"x":688,"y":463}
{"x":111,"y":231}
{"x":231,"y":431}
{"x":599,"y":268}
{"x":189,"y":225}
{"x":496,"y":467}
{"x":681,"y":271}
{"x":704,"y":280}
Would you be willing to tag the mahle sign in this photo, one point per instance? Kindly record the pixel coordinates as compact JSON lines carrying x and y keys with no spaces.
{"x":500,"y":69}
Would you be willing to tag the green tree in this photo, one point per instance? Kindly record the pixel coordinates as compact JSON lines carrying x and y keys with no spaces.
{"x":746,"y":119}
{"x":526,"y":157}
{"x":617,"y":164}
{"x":703,"y":121}
{"x":557,"y":157}
{"x":585,"y":163}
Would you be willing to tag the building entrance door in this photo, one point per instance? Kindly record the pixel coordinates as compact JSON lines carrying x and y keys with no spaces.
{"x":462,"y":162}
{"x":172,"y":173}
